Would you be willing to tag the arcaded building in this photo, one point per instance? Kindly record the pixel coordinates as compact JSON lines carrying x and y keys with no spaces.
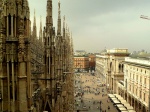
{"x":126,"y":76}
{"x":135,"y":88}
{"x":109,"y":67}
{"x":101,"y":67}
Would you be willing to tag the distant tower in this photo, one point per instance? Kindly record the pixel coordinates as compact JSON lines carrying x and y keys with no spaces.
{"x":15,"y":57}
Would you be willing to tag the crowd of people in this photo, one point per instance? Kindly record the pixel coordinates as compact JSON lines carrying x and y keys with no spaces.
{"x":93,"y":93}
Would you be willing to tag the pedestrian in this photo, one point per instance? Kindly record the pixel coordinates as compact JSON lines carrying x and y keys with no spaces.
{"x":100,"y":102}
{"x":108,"y":107}
{"x":107,"y":101}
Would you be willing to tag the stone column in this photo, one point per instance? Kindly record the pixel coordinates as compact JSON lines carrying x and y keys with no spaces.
{"x":131,"y":102}
{"x":7,"y":27}
{"x":15,"y":26}
{"x":22,"y":71}
{"x":8,"y":86}
{"x":22,"y":87}
{"x":12,"y":27}
{"x":13,"y":87}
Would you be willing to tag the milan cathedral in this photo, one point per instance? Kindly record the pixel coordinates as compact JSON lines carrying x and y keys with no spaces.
{"x":36,"y":73}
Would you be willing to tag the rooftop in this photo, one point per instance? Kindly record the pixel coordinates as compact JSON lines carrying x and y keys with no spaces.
{"x":138,"y":61}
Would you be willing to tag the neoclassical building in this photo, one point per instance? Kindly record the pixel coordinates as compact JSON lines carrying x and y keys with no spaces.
{"x":126,"y":76}
{"x":135,"y":86}
{"x":101,"y":66}
{"x":36,"y":73}
{"x":109,"y":67}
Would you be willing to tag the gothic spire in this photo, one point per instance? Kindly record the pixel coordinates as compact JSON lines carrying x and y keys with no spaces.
{"x":40,"y":32}
{"x":64,"y":26}
{"x":34,"y":26}
{"x":49,"y":19}
{"x":59,"y":20}
{"x":34,"y":21}
{"x":64,"y":22}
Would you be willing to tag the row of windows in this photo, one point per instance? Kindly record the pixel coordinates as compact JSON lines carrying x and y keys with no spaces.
{"x":137,"y":69}
{"x":138,"y":92}
{"x":138,"y":78}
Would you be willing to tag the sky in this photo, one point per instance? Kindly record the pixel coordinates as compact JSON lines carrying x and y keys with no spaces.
{"x":101,"y":24}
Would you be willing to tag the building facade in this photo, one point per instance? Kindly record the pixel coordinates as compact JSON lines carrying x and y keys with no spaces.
{"x":81,"y":63}
{"x":92,"y":62}
{"x":108,"y":67}
{"x":126,"y":76}
{"x":101,"y":67}
{"x":135,"y":88}
{"x":84,"y":61}
{"x":15,"y":72}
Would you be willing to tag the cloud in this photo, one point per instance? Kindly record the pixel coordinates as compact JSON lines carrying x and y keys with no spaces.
{"x":97,"y":24}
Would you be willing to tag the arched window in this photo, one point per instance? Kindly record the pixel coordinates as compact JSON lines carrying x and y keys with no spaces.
{"x":110,"y":65}
{"x":14,"y":25}
{"x":119,"y":67}
{"x":122,"y":67}
{"x":25,"y":26}
{"x":9,"y":24}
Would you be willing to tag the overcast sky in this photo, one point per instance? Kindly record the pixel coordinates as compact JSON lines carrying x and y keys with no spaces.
{"x":99,"y":24}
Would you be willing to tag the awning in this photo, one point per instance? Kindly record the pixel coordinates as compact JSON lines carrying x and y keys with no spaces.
{"x":122,"y":108}
{"x":111,"y":95}
{"x":119,"y":105}
{"x":117,"y":95}
{"x":129,"y":107}
{"x":126,"y":105}
{"x":131,"y":111}
{"x":123,"y":101}
{"x":116,"y":101}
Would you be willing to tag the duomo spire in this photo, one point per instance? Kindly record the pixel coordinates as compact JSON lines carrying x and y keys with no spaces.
{"x":34,"y":26}
{"x":64,"y":27}
{"x":24,"y":57}
{"x":40,"y":32}
{"x":59,"y":20}
{"x":49,"y":19}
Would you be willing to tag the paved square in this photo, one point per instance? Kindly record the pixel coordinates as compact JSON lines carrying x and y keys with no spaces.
{"x":91,"y":94}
